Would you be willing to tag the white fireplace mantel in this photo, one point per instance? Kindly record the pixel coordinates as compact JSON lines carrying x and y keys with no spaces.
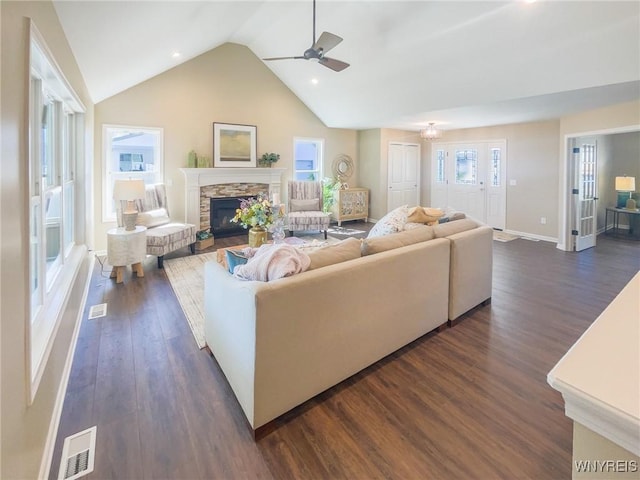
{"x":201,"y":177}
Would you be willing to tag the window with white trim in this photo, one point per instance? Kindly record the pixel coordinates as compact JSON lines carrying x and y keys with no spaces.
{"x":129,"y":152}
{"x":56,"y":122}
{"x":307,"y":158}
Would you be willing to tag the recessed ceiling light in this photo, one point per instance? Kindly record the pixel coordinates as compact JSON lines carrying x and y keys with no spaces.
{"x":314,"y":81}
{"x":175,"y":55}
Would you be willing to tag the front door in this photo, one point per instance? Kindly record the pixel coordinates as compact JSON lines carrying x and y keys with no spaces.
{"x":466,"y":191}
{"x":585,"y":194}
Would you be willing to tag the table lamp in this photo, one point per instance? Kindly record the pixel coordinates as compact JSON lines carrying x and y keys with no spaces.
{"x":129,"y":190}
{"x":623,"y":185}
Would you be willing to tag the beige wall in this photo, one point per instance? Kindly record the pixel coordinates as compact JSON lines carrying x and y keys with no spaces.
{"x":623,"y":117}
{"x":228,"y":84}
{"x":532,"y":161}
{"x":373,"y":145}
{"x":25,"y":428}
{"x":591,"y":447}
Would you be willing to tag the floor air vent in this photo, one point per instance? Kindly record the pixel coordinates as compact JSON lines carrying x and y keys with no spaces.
{"x":78,"y":455}
{"x":98,"y":311}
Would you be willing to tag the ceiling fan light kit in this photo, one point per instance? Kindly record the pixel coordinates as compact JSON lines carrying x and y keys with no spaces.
{"x":318,"y":48}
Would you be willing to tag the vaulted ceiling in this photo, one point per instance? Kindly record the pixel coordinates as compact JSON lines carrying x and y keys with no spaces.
{"x":458,"y":64}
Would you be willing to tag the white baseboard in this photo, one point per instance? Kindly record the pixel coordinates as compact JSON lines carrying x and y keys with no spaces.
{"x":47,"y":455}
{"x":533,"y":235}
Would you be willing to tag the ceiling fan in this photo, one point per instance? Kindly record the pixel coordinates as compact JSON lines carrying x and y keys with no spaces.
{"x":318,"y":48}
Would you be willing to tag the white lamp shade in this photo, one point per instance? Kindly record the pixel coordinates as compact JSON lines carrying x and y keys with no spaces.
{"x":626,"y":184}
{"x":128,"y":189}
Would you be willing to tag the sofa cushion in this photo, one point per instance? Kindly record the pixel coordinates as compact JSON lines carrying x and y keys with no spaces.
{"x":392,"y":222}
{"x":153,"y":218}
{"x":451,"y":228}
{"x":397,"y":240}
{"x":347,"y":249}
{"x":235,"y":258}
{"x":304,"y":205}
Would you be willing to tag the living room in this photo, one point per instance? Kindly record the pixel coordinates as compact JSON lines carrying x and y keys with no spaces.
{"x":184,"y":101}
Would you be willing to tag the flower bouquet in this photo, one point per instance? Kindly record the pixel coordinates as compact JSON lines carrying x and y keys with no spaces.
{"x":255,"y":212}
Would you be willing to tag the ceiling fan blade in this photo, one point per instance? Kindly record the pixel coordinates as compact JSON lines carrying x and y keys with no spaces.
{"x":284,"y":58}
{"x":326,"y":42}
{"x":333,"y":64}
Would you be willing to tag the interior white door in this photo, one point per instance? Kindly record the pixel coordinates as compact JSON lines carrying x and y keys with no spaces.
{"x":467,"y":173}
{"x":403,"y":175}
{"x":585,"y":186}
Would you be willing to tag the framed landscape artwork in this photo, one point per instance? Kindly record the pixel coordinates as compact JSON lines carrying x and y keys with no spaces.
{"x":234,"y":145}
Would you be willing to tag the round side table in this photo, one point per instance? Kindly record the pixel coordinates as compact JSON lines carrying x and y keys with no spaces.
{"x":126,"y":247}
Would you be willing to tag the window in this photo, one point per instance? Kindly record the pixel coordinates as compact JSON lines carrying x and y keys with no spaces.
{"x":307,"y":159}
{"x":440,"y":156}
{"x":495,"y":166}
{"x":56,"y":123}
{"x":466,"y":167}
{"x":129,"y":152}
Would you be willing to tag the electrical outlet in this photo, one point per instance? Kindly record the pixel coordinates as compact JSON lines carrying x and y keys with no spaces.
{"x":512,"y":183}
{"x":543,"y":220}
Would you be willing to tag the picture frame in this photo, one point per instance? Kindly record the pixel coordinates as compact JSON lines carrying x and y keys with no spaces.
{"x":234,"y":145}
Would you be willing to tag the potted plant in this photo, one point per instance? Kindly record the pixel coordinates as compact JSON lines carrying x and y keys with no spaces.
{"x":329,"y":185}
{"x":268,"y":159}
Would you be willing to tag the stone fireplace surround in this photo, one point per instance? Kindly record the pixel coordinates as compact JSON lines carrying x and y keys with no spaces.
{"x":203,"y":183}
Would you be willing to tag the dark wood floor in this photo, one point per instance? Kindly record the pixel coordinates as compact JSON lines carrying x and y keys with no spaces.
{"x":469,"y":402}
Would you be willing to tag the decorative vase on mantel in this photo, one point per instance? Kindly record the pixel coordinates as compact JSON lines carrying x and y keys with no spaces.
{"x":257,"y":236}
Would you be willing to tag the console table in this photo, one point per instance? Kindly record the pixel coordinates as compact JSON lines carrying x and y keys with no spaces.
{"x":350,"y":204}
{"x":632,"y":215}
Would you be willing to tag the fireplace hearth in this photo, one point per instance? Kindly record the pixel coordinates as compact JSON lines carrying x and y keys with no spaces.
{"x":222,"y":210}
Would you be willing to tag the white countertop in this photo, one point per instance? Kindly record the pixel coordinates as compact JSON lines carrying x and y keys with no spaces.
{"x":599,"y":377}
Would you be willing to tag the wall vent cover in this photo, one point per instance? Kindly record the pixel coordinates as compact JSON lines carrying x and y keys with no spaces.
{"x":78,"y":455}
{"x":98,"y":311}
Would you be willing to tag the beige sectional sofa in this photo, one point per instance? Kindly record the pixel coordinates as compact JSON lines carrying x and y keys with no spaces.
{"x":280,"y":343}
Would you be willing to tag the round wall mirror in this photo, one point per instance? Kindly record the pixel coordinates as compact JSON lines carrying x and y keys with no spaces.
{"x":342,"y":167}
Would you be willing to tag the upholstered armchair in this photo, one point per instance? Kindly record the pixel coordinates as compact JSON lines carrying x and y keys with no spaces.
{"x":163,"y":235}
{"x":305,"y":207}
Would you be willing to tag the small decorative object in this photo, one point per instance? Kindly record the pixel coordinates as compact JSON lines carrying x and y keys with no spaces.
{"x":268,"y":159}
{"x":203,"y":162}
{"x":256,"y":214}
{"x":192,"y":161}
{"x":129,"y":191}
{"x":204,"y":240}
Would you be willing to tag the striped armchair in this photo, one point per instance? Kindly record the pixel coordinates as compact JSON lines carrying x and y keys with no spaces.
{"x":305,"y":207}
{"x":163,"y":235}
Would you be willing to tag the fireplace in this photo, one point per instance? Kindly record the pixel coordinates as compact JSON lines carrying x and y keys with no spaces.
{"x":221,"y":211}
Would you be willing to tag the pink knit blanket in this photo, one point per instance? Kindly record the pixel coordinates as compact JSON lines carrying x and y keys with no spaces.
{"x":270,"y":262}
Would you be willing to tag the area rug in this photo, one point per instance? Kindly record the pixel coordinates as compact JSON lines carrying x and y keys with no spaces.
{"x":186,"y":276}
{"x":344,"y":231}
{"x":503,"y":236}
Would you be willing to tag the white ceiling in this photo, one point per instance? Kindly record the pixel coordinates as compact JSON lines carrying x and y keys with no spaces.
{"x":459,"y":64}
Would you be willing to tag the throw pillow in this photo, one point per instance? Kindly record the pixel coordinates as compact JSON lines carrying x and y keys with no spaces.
{"x":235,"y":258}
{"x":392,"y":222}
{"x":304,"y":205}
{"x":153,"y":218}
{"x":347,"y":249}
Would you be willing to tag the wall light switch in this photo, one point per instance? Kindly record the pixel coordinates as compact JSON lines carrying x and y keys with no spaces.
{"x":512,"y":183}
